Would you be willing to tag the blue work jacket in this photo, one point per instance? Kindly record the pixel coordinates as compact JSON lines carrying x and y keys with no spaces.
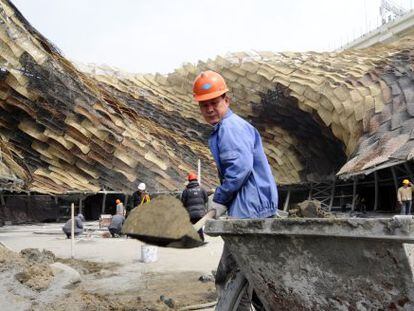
{"x":248,"y":188}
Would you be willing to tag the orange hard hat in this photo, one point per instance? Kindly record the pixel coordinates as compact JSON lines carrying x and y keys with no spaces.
{"x":117,"y":201}
{"x":208,"y":85}
{"x":192,"y":176}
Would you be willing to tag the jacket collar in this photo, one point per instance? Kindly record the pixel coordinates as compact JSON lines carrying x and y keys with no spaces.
{"x":228,"y":114}
{"x":192,"y":184}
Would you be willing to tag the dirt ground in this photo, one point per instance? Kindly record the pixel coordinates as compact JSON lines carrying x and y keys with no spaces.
{"x":112,"y":276}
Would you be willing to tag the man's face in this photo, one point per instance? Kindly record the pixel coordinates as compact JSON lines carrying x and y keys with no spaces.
{"x":213,"y":110}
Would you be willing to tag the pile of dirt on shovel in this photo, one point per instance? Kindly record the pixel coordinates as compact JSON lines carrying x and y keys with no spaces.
{"x":163,"y":222}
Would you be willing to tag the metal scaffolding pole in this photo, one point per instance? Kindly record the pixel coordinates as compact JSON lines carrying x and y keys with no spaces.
{"x":286,"y":205}
{"x":103,"y":203}
{"x":410,"y":173}
{"x":72,"y":231}
{"x":310,"y":192}
{"x":354,"y":187}
{"x":332,"y":195}
{"x":394,"y":177}
{"x":80,"y":206}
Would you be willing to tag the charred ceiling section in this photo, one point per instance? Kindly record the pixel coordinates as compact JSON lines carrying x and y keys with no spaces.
{"x":389,"y":135}
{"x":65,"y":129}
{"x":321,"y":154}
{"x":67,"y":132}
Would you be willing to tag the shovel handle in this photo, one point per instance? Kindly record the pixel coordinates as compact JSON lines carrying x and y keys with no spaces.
{"x":199,"y":224}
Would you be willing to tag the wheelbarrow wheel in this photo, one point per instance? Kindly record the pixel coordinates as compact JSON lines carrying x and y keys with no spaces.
{"x":232,"y":294}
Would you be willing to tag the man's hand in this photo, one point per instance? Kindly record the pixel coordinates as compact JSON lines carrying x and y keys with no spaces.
{"x":219,"y":209}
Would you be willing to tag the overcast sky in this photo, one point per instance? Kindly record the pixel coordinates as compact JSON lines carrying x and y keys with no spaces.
{"x":160,"y":35}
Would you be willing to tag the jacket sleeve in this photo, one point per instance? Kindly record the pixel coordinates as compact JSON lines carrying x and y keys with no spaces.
{"x":236,"y":145}
{"x":184,"y":197}
{"x":205,"y":196}
{"x":79,"y":223}
{"x":399,"y":195}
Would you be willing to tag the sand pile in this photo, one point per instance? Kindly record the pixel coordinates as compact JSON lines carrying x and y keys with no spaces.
{"x":34,"y":255}
{"x":164,"y":222}
{"x":31,"y":267}
{"x":37,"y":273}
{"x":9,"y":259}
{"x":37,"y":277}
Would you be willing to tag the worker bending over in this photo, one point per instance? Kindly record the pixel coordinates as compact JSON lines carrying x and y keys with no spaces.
{"x":115,"y":227}
{"x":247,"y":187}
{"x":67,"y":227}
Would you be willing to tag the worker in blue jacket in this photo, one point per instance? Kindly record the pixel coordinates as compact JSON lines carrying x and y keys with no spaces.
{"x":247,"y":187}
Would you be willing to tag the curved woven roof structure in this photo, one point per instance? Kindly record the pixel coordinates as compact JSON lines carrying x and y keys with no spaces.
{"x":64,"y":129}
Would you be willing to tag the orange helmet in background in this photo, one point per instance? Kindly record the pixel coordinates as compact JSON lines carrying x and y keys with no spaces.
{"x":208,"y":85}
{"x":192,"y":176}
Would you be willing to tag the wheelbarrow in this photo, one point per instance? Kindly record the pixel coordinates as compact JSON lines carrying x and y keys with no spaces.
{"x":323,"y":264}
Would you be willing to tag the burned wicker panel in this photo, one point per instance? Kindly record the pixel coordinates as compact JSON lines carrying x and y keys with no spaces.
{"x":67,"y":128}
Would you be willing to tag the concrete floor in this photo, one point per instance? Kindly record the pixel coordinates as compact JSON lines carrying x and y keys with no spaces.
{"x":120,"y":250}
{"x":131,"y":275}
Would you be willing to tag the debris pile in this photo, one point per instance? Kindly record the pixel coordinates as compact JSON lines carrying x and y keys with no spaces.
{"x":309,"y":209}
{"x":37,"y":277}
{"x":163,"y":222}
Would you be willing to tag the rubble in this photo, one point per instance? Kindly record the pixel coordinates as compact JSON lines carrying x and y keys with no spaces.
{"x":168,"y":301}
{"x":34,"y":255}
{"x":206,"y":278}
{"x":37,"y":276}
{"x":309,"y":209}
{"x":65,"y":275}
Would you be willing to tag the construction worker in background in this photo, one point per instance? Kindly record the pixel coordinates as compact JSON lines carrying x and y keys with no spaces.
{"x":405,"y":196}
{"x":194,"y":199}
{"x":67,"y":227}
{"x":247,"y":187}
{"x":115,"y":227}
{"x":140,"y":196}
{"x":120,"y":209}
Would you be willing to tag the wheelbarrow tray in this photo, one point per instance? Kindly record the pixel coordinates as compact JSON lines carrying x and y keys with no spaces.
{"x":324,"y":264}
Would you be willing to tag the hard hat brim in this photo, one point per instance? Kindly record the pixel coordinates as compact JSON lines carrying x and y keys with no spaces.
{"x":204,"y":97}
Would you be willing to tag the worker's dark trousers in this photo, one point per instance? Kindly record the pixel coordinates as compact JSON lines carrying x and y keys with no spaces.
{"x":200,"y":232}
{"x":406,"y":207}
{"x":68,"y":234}
{"x":227,"y":266}
{"x":114,"y":231}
